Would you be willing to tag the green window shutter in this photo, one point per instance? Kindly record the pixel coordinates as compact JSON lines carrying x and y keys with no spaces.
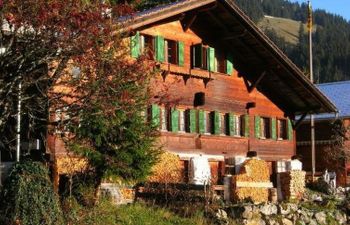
{"x":155,"y":111}
{"x":217,"y":124}
{"x":246,"y":126}
{"x":201,"y":121}
{"x":273,"y":129}
{"x":181,"y":53}
{"x":290,"y":130}
{"x":193,"y":124}
{"x":257,"y":126}
{"x":231,"y":124}
{"x":229,"y":64}
{"x":197,"y":54}
{"x":159,"y":41}
{"x":211,"y":59}
{"x":174,"y":120}
{"x":135,"y":45}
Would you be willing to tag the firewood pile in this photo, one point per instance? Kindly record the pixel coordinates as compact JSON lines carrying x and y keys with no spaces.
{"x":252,"y":182}
{"x":293,"y":184}
{"x":168,"y":169}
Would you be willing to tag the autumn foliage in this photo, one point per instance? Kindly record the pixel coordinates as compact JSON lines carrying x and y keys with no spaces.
{"x":78,"y":83}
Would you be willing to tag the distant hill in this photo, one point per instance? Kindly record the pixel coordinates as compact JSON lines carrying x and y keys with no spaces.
{"x":287,"y":29}
{"x":281,"y":21}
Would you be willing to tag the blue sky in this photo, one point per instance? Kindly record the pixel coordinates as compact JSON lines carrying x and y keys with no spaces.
{"x":340,"y":7}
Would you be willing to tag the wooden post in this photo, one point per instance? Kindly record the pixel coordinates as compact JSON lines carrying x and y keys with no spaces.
{"x":312,"y":120}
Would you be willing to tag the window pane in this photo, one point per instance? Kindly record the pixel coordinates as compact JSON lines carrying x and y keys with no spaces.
{"x":171,"y":51}
{"x":282,"y":129}
{"x":147,"y":45}
{"x":164,"y":119}
{"x":182,"y":122}
{"x":238,"y":125}
{"x":223,"y":121}
{"x":220,"y":61}
{"x":208,"y":122}
{"x":265,"y":128}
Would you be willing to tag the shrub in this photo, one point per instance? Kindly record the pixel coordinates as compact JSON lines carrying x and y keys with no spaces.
{"x":28,"y":197}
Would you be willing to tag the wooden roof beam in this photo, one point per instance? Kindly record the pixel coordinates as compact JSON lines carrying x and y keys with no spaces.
{"x":296,"y":124}
{"x":188,"y":20}
{"x":257,"y":81}
{"x":229,"y":36}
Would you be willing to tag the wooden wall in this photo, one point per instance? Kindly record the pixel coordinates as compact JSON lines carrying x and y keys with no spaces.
{"x":224,"y":94}
{"x":323,"y":136}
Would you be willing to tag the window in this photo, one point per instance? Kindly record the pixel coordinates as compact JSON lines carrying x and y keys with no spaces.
{"x":220,"y":61}
{"x":234,"y":124}
{"x":208,"y":122}
{"x":147,"y":45}
{"x":203,"y":57}
{"x":282,"y":129}
{"x":191,"y":120}
{"x":265,"y":128}
{"x":164,"y":119}
{"x":154,"y":115}
{"x":223,"y":123}
{"x":237,"y":127}
{"x":171,"y":54}
{"x":182,"y":121}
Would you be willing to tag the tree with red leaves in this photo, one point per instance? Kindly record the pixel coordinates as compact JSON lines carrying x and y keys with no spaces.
{"x":72,"y":62}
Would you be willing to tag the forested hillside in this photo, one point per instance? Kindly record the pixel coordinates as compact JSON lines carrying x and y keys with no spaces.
{"x":331,"y":36}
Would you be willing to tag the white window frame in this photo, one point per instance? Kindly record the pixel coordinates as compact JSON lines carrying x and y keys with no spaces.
{"x":182,"y":120}
{"x":208,"y":125}
{"x":223,"y":127}
{"x":237,"y":128}
{"x":164,"y":119}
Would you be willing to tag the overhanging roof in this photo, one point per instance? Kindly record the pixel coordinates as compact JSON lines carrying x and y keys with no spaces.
{"x":223,"y":23}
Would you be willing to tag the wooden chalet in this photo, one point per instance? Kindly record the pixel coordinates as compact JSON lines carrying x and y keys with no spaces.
{"x":224,"y":88}
{"x":326,"y":142}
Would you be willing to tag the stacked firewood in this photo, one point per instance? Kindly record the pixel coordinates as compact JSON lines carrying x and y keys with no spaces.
{"x":254,"y":174}
{"x":168,"y":169}
{"x":293,"y":184}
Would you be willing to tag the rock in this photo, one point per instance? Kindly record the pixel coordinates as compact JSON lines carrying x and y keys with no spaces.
{"x":340,"y":217}
{"x":300,"y":222}
{"x":286,"y":222}
{"x":271,"y":222}
{"x":221,"y":215}
{"x":312,"y":222}
{"x":254,"y":222}
{"x":247,"y":212}
{"x":304,"y":217}
{"x":321,"y":218}
{"x":268,"y":210}
{"x":293,"y":207}
{"x":318,"y":199}
{"x":283,"y":209}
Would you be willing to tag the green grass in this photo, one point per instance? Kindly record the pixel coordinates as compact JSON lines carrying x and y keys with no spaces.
{"x":286,"y":28}
{"x":139,"y":214}
{"x":104,"y":213}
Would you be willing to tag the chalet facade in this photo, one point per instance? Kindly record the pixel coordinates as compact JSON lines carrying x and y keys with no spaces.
{"x":224,"y":88}
{"x":325,"y":141}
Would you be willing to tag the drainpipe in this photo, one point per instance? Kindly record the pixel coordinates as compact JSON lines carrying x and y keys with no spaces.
{"x":18,"y":146}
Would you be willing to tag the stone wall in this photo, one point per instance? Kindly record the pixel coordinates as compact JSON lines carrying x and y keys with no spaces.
{"x":281,"y":214}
